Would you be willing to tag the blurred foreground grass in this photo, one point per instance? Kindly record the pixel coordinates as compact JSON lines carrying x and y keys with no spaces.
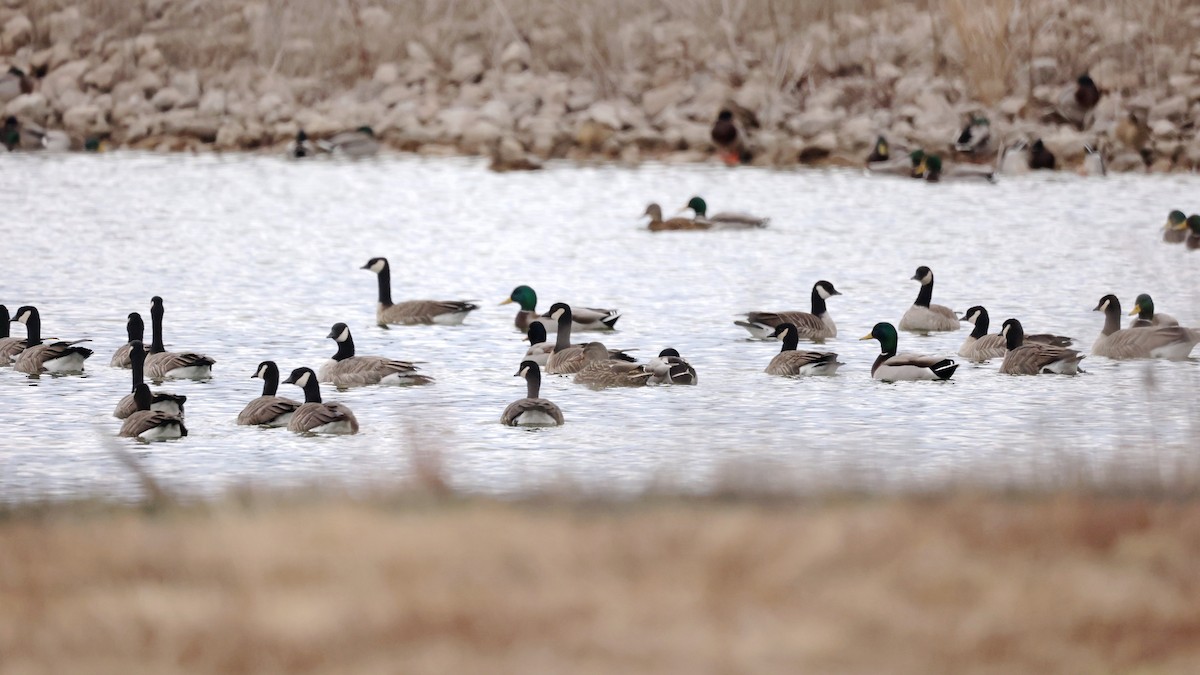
{"x":426,"y":583}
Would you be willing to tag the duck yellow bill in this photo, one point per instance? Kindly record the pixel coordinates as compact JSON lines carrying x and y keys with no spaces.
{"x":1137,"y":309}
{"x":868,"y":336}
{"x":508,"y":301}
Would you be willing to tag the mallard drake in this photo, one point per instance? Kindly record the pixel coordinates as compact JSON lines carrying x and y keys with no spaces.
{"x":532,"y":411}
{"x":909,"y":166}
{"x":10,"y":347}
{"x":268,"y":410}
{"x":1176,"y":229}
{"x":1193,"y":238}
{"x":301,"y":147}
{"x":1032,"y":358}
{"x":358,"y":143}
{"x":657,"y":224}
{"x":932,"y":170}
{"x":583,"y":318}
{"x":162,"y":401}
{"x":791,"y":362}
{"x":981,"y":345}
{"x":817,"y":326}
{"x":1153,"y":342}
{"x":724,"y":135}
{"x":724,"y":220}
{"x":1143,"y":309}
{"x":923,"y":317}
{"x":164,"y":365}
{"x":539,"y":350}
{"x":892,"y":367}
{"x":1076,"y":102}
{"x":151,"y":425}
{"x":600,"y":371}
{"x":315,"y":416}
{"x":568,"y":359}
{"x":1040,"y":156}
{"x":879,"y":152}
{"x":46,"y":357}
{"x":13,"y":83}
{"x":413,"y":312}
{"x":135,"y":329}
{"x":974,"y":138}
{"x":347,"y":370}
{"x":671,"y":368}
{"x":15,"y":137}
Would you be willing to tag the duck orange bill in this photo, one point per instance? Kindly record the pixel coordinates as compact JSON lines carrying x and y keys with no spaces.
{"x":1137,"y":309}
{"x":868,"y":336}
{"x":507,"y":301}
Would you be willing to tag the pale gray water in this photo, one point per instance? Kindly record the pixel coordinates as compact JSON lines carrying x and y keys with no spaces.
{"x":256,"y":258}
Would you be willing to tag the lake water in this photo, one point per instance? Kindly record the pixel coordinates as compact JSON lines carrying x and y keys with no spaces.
{"x":256,"y":257}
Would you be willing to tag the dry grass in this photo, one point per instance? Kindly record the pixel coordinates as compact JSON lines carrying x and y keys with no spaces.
{"x":963,"y":585}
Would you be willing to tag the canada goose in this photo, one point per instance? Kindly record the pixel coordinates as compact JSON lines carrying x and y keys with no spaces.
{"x":657,"y":224}
{"x":1143,"y":309}
{"x":532,"y":410}
{"x":268,"y":410}
{"x":316,"y":417}
{"x":583,"y":318}
{"x":172,"y":404}
{"x":567,"y":358}
{"x":1193,"y":238}
{"x":413,"y":312}
{"x":1176,"y":229}
{"x":981,"y":345}
{"x":358,"y":143}
{"x":974,"y":137}
{"x":136,"y":330}
{"x":348,"y":370}
{"x":892,"y":367}
{"x":817,"y":325}
{"x":671,"y":368}
{"x":151,"y":425}
{"x":164,"y":365}
{"x":724,"y":135}
{"x":539,"y":350}
{"x":791,"y":362}
{"x":724,"y":220}
{"x":1040,"y":156}
{"x":923,"y":317}
{"x":10,"y":347}
{"x":301,"y":147}
{"x":46,"y":357}
{"x":1033,"y":358}
{"x":600,"y":371}
{"x":1162,"y":342}
{"x":13,"y":83}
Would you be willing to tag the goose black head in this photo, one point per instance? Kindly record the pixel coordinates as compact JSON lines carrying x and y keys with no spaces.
{"x":528,"y":369}
{"x":1013,"y":333}
{"x":1108,"y":303}
{"x":142,"y":396}
{"x":25,"y":314}
{"x":560,"y":312}
{"x":825,"y":289}
{"x":923,"y":275}
{"x":266,"y":370}
{"x":301,"y":377}
{"x":376,"y":265}
{"x":669,"y":352}
{"x":536,"y":333}
{"x":339,"y":332}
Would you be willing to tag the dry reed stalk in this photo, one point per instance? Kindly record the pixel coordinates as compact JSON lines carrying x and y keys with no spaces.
{"x":985,"y":37}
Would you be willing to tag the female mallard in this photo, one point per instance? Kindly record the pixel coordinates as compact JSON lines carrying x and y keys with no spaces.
{"x":151,"y":425}
{"x":1075,"y":103}
{"x":539,"y":350}
{"x":817,"y":326}
{"x":1193,"y":238}
{"x":924,"y":317}
{"x":981,"y":345}
{"x":164,"y":365}
{"x":583,"y":318}
{"x":159,"y":400}
{"x":568,"y":359}
{"x":46,"y":357}
{"x":135,"y":329}
{"x":657,"y":224}
{"x":791,"y":362}
{"x":600,"y":370}
{"x":1032,"y":358}
{"x":1176,"y":229}
{"x":347,"y":370}
{"x":413,"y":312}
{"x":892,"y":367}
{"x":268,"y":410}
{"x":724,"y":220}
{"x":10,"y":347}
{"x":1152,"y":342}
{"x":315,"y":416}
{"x":358,"y":143}
{"x":531,"y":411}
{"x":1143,"y":309}
{"x":671,"y":368}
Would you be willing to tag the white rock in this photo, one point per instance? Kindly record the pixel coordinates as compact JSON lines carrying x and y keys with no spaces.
{"x":1161,"y":128}
{"x":166,"y":98}
{"x":468,"y":67}
{"x":191,"y":123}
{"x":604,"y":112}
{"x":229,"y":135}
{"x":824,"y":142}
{"x":64,"y":78}
{"x":812,"y":122}
{"x":212,"y":103}
{"x":387,"y":74}
{"x":417,"y":52}
{"x":498,"y":112}
{"x":32,"y":106}
{"x":18,"y":32}
{"x":102,"y":77}
{"x":480,"y":135}
{"x":84,"y":120}
{"x":1173,"y":108}
{"x":655,"y":101}
{"x":187,"y":83}
{"x":151,"y":60}
{"x":65,"y":26}
{"x":857,"y":132}
{"x":515,"y":56}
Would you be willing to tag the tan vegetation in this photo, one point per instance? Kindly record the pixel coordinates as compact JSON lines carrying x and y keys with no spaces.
{"x":964,"y":585}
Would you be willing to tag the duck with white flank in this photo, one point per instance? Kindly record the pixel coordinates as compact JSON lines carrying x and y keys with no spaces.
{"x":792,"y":362}
{"x":892,"y":367}
{"x":46,"y":357}
{"x":981,"y":345}
{"x":151,"y":425}
{"x":270,"y":409}
{"x":413,"y":312}
{"x":315,"y":416}
{"x":568,"y":359}
{"x":582,"y":318}
{"x":924,"y":317}
{"x":531,"y":411}
{"x":161,"y":401}
{"x":164,"y":365}
{"x":816,"y":326}
{"x":348,"y":370}
{"x":1151,"y":342}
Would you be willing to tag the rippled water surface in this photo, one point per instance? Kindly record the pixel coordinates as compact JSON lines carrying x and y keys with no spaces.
{"x":257,"y":257}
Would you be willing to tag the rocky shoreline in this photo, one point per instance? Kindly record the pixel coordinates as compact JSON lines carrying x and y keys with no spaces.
{"x":819,"y":96}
